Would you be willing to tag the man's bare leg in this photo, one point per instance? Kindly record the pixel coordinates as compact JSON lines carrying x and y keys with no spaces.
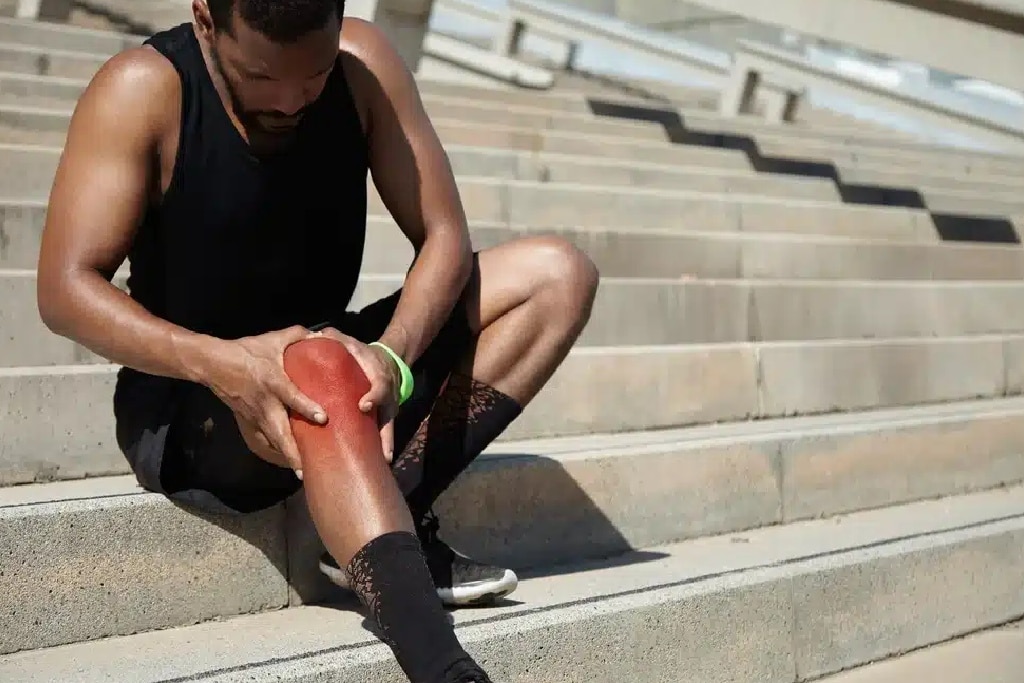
{"x":527,"y":303}
{"x":363,"y":519}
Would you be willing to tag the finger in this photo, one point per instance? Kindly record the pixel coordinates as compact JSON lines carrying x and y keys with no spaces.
{"x":387,"y":441}
{"x":296,"y":333}
{"x":379,"y":394}
{"x":292,"y":397}
{"x":333,"y":333}
{"x":381,"y":385}
{"x":279,"y":431}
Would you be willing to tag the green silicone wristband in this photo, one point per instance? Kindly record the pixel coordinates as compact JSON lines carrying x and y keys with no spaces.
{"x":404,"y":391}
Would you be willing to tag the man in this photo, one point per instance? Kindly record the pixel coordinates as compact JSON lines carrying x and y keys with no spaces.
{"x":227,"y":160}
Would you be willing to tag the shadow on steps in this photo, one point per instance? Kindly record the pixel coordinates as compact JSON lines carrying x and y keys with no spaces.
{"x":951,"y":227}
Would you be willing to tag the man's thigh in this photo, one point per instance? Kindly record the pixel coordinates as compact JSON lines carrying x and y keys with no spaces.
{"x":206,"y":456}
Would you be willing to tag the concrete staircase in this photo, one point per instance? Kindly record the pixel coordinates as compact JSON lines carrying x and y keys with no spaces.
{"x":790,"y":442}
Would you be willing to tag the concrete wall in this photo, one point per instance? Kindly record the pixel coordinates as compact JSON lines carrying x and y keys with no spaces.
{"x":971,"y":40}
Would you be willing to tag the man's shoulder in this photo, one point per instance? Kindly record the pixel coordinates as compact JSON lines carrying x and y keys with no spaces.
{"x":373,"y":66}
{"x":361,"y":39}
{"x":137,"y":82}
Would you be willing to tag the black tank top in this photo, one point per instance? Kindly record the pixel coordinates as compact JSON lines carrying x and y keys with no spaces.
{"x":241,"y":245}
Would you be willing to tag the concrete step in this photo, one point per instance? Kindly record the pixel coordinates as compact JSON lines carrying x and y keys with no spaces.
{"x":42,"y":126}
{"x":103,"y":44}
{"x":575,"y":205}
{"x":27,"y":171}
{"x":21,"y":90}
{"x":60,"y":423}
{"x":54,"y":92}
{"x":571,"y":205}
{"x":32,"y":125}
{"x":994,"y":656}
{"x":782,"y":604}
{"x":26,"y":87}
{"x":775,"y":139}
{"x":31,"y":90}
{"x":961,"y":163}
{"x":458,"y":109}
{"x":42,"y":61}
{"x":737,"y":477}
{"x":83,"y":51}
{"x":772,"y":140}
{"x":615,"y":156}
{"x":876,"y":174}
{"x":843,"y":148}
{"x":44,"y":35}
{"x":622,"y":252}
{"x":710,"y":169}
{"x":648,"y":311}
{"x":854,"y":139}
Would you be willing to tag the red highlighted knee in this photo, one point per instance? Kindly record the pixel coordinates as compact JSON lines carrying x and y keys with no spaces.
{"x":323,"y":369}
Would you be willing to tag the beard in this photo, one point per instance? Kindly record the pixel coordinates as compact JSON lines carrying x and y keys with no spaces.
{"x":266,"y":130}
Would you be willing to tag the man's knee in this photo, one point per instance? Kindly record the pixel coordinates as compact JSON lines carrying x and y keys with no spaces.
{"x":568,"y":277}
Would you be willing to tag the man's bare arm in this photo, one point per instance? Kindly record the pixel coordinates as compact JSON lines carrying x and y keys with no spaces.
{"x":106,"y":174}
{"x":415,"y":181}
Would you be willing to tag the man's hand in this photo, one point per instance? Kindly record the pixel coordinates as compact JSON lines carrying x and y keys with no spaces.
{"x":385,"y":382}
{"x":250,"y":378}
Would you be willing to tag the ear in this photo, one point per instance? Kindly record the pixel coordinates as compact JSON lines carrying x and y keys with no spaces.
{"x":203,"y":20}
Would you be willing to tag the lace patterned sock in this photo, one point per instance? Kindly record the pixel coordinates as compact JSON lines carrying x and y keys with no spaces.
{"x":467,"y":416}
{"x":390,"y":576}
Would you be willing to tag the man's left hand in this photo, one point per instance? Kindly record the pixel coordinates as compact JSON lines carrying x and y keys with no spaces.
{"x":385,"y":382}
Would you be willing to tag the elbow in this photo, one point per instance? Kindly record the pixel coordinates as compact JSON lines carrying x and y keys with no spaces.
{"x":49,"y":309}
{"x":457,"y":249}
{"x":52,"y":296}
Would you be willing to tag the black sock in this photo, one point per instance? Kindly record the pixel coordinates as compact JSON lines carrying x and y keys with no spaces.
{"x":467,"y":416}
{"x":389,"y":574}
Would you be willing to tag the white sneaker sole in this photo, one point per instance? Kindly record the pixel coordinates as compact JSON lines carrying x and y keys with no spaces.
{"x":481,"y":592}
{"x":337,"y":577}
{"x":477,"y":593}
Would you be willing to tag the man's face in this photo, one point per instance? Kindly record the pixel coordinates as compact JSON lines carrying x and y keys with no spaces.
{"x":272,"y":84}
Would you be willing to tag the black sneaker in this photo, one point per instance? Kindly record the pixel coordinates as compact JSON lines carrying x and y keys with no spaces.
{"x":460,"y":580}
{"x":466,"y":671}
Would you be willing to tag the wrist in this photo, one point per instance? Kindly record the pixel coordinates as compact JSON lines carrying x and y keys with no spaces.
{"x":401,"y":373}
{"x":202,"y":357}
{"x":396,"y":339}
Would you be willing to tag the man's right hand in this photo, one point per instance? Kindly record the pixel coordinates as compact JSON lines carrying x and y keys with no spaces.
{"x":249,"y":377}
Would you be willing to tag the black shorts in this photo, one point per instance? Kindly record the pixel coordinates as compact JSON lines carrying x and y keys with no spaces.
{"x":183,"y":442}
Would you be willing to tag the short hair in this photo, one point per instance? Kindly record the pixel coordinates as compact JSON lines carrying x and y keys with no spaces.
{"x":281,"y":21}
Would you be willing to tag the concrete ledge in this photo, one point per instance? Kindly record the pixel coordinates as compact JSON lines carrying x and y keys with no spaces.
{"x":65,"y":63}
{"x":48,"y":126}
{"x":564,"y":110}
{"x":27,"y":172}
{"x":625,"y":251}
{"x":646,"y":311}
{"x":515,"y":203}
{"x":47,"y":35}
{"x":630,"y":252}
{"x":784,"y":66}
{"x":59,"y":417}
{"x":811,"y":598}
{"x":994,"y":656}
{"x":487,"y":63}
